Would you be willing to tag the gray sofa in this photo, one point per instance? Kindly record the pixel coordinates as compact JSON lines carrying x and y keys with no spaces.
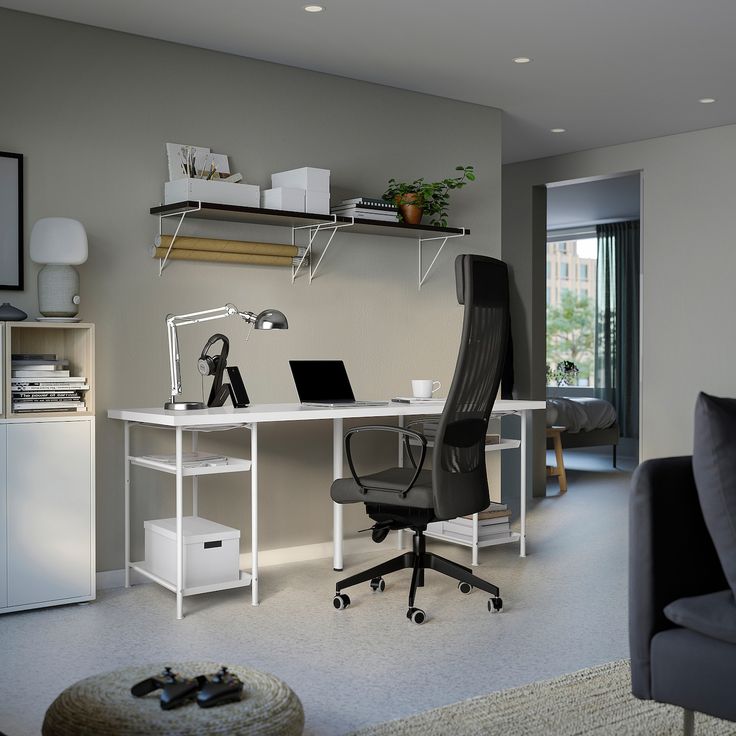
{"x":672,"y":565}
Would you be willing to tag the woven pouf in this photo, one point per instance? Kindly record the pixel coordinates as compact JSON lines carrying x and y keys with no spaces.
{"x":102,"y":704}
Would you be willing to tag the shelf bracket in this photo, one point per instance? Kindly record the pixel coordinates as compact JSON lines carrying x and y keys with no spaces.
{"x":181,"y":215}
{"x":314,"y":230}
{"x":422,"y":241}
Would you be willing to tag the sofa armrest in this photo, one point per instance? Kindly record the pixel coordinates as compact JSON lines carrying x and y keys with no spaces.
{"x":671,"y":555}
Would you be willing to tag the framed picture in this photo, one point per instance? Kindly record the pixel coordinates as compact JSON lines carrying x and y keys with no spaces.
{"x":11,"y":221}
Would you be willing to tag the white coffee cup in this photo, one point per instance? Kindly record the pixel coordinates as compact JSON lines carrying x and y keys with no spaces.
{"x":424,"y":388}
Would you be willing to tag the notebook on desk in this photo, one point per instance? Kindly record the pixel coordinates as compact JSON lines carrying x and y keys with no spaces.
{"x":325,"y":383}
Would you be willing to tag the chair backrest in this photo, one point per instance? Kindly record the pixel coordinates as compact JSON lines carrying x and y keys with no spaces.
{"x":459,"y":480}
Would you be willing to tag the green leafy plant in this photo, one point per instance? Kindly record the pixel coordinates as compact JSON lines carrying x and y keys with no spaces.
{"x":564,"y":374}
{"x":432,"y":197}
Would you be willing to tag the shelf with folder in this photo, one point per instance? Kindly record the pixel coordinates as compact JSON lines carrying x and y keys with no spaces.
{"x":191,"y":468}
{"x":314,"y":224}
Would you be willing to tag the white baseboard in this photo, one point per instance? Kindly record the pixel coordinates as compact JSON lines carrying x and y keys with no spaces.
{"x":266,"y":558}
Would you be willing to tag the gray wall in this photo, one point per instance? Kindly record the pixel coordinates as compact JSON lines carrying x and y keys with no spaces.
{"x":92,"y":109}
{"x":688,"y":265}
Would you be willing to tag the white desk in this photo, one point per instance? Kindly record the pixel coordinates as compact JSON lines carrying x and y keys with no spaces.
{"x":257,"y":414}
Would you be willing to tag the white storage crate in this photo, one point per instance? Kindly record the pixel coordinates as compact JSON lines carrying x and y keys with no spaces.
{"x":211,"y":551}
{"x":317,"y":180}
{"x":317,"y":202}
{"x":283,"y":198}
{"x":218,"y":192}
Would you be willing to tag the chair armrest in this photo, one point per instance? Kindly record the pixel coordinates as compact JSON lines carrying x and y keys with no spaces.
{"x":671,"y":555}
{"x":383,"y":428}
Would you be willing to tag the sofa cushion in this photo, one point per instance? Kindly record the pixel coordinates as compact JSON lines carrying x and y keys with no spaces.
{"x":714,"y":467}
{"x":713,"y":614}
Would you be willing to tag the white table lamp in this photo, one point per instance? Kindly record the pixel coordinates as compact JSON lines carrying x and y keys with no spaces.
{"x":60,"y":243}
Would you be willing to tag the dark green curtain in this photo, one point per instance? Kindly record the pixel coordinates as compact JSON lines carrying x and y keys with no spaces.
{"x":617,"y":320}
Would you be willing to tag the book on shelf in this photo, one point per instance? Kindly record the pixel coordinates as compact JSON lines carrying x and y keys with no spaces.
{"x":368,"y":202}
{"x":40,"y":373}
{"x":362,"y":214}
{"x":46,"y":405}
{"x":50,"y":378}
{"x":467,"y":522}
{"x":484,"y":533}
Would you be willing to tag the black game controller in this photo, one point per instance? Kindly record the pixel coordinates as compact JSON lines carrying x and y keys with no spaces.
{"x":223,"y":687}
{"x":175,"y":690}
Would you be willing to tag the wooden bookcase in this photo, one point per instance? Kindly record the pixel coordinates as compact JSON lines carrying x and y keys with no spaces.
{"x":74,"y":342}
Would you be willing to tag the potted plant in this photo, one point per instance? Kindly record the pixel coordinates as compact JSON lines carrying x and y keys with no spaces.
{"x":417,"y":198}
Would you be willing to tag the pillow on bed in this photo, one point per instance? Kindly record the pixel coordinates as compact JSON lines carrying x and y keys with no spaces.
{"x":714,"y":467}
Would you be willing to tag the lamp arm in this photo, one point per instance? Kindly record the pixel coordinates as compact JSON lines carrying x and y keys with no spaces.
{"x":179,"y":320}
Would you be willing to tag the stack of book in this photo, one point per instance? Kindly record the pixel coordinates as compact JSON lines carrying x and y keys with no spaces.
{"x":41,"y":382}
{"x":366,"y":208}
{"x":493,"y":523}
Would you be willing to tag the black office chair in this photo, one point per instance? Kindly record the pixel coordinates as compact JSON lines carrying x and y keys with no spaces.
{"x":400,"y":498}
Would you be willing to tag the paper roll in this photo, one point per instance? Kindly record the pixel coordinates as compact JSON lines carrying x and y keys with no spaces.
{"x":226,"y":246}
{"x":181,"y":254}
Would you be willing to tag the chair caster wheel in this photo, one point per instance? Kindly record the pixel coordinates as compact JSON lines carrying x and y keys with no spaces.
{"x":495,"y":605}
{"x":340,"y":601}
{"x":378,"y":584}
{"x":465,"y":588}
{"x":416,"y":615}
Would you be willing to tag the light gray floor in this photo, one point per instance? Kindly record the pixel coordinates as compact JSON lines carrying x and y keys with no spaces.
{"x":565,"y":609}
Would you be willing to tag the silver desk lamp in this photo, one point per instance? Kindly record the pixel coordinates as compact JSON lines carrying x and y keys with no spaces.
{"x":268,"y":319}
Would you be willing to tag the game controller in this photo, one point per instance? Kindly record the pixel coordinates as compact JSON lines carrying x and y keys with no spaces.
{"x":223,"y":687}
{"x":175,"y":690}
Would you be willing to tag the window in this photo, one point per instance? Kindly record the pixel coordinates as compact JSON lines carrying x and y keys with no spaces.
{"x":571,"y":306}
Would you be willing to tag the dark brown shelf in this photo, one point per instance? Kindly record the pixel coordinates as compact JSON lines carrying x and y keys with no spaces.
{"x":283,"y":218}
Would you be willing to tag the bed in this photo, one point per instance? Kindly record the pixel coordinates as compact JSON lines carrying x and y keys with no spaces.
{"x":588,"y":422}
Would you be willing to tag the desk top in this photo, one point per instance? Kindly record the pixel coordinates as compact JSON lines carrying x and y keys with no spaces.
{"x":258,"y":413}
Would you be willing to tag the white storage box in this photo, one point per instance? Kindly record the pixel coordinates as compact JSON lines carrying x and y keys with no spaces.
{"x":318,"y":180}
{"x":317,"y":202}
{"x":218,"y":192}
{"x":283,"y":198}
{"x":211,"y":551}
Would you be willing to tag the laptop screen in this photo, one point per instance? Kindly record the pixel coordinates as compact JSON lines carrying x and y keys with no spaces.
{"x":321,"y":380}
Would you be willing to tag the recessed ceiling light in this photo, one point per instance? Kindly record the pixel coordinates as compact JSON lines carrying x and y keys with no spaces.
{"x":521,"y":60}
{"x":558,"y":130}
{"x":707,"y":100}
{"x":314,"y":8}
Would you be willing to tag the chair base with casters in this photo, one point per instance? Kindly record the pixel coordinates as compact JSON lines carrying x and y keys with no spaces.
{"x":418,"y":560}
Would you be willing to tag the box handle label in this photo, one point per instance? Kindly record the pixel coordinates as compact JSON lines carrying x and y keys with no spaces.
{"x":210,"y":545}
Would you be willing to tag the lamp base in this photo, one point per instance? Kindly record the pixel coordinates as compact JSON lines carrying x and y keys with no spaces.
{"x":183,"y":405}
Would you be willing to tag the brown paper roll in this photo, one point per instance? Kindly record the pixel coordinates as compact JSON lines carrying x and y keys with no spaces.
{"x":180,"y":254}
{"x":226,"y":246}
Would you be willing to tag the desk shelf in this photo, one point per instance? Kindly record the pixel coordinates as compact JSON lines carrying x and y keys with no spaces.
{"x":234,"y":465}
{"x":311,"y":222}
{"x":243,"y":581}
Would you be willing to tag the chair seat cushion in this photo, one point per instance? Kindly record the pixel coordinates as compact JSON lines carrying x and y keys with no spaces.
{"x":713,"y":614}
{"x":346,"y":490}
{"x":714,"y":467}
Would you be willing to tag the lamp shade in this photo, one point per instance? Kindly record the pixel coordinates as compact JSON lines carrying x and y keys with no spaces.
{"x":59,"y":241}
{"x":271,"y":319}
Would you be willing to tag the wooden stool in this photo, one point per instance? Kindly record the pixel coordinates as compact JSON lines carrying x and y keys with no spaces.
{"x":558,"y":471}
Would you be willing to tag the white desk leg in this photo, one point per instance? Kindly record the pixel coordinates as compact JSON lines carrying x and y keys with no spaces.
{"x":195,"y":479}
{"x":400,"y":532}
{"x":337,"y":471}
{"x":474,"y":562}
{"x":522,"y":483}
{"x":179,"y":528}
{"x":254,"y":513}
{"x":127,"y":503}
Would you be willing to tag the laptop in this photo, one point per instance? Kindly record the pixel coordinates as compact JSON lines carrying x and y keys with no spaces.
{"x":325,"y":383}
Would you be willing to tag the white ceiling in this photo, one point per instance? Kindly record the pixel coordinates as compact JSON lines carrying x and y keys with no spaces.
{"x":572,"y":205}
{"x":609,"y":71}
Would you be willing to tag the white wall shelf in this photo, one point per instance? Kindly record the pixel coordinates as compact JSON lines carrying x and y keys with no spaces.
{"x":314,"y":224}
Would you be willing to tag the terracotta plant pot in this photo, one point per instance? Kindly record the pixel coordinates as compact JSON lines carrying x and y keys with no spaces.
{"x":410,"y":208}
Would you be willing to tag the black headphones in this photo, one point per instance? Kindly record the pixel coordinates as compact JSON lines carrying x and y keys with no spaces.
{"x":214,"y":365}
{"x":207,"y":365}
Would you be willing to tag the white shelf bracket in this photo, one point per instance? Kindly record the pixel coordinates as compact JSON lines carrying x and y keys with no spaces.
{"x":422,"y":241}
{"x":314,"y":230}
{"x":181,"y":215}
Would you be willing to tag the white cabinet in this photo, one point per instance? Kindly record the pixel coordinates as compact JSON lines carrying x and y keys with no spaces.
{"x":49,"y":512}
{"x":47,"y":488}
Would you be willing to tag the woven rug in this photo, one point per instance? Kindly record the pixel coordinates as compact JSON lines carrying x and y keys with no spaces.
{"x":592,"y":701}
